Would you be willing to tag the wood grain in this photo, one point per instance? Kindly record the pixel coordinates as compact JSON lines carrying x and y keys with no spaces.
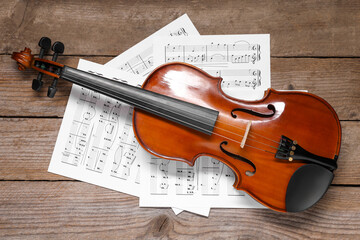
{"x":340,"y":88}
{"x":18,"y":98}
{"x":297,"y":28}
{"x":26,"y":146}
{"x":314,"y":46}
{"x":44,"y":210}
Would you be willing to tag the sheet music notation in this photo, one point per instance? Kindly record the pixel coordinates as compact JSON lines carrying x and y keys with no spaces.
{"x":96,"y":143}
{"x":239,"y":52}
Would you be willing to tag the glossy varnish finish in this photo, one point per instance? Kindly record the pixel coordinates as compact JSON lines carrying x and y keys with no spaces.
{"x":303,"y":117}
{"x":31,"y":205}
{"x":217,"y":121}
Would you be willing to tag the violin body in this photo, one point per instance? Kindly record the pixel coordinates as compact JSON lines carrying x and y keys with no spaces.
{"x":303,"y":117}
{"x":283,"y":148}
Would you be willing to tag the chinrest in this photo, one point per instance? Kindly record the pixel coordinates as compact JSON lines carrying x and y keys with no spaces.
{"x":306,"y":187}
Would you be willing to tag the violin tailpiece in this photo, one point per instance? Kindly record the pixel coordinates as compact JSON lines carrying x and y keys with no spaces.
{"x":291,"y":150}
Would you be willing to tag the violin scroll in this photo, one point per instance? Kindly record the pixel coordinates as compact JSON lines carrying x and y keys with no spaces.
{"x":26,"y":60}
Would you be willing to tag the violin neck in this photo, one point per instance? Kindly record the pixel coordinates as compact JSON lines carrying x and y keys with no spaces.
{"x":187,"y":114}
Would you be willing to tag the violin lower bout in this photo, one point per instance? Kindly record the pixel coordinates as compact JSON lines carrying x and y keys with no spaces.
{"x":275,"y":183}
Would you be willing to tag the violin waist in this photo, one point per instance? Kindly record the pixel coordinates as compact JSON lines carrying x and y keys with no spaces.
{"x":302,"y":117}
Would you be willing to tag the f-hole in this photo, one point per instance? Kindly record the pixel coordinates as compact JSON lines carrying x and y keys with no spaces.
{"x":238,"y":157}
{"x":252,"y":112}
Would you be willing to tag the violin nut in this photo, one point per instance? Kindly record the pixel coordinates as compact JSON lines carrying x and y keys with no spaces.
{"x":290,"y":159}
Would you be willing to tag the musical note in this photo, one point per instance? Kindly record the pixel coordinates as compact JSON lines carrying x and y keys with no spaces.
{"x":159,"y":176}
{"x":81,"y":127}
{"x":104,"y":166}
{"x":211,"y":170}
{"x":185,"y":179}
{"x":95,"y":127}
{"x":230,"y":178}
{"x":213,"y":52}
{"x":238,"y":60}
{"x":104,"y":135}
{"x":126,"y":152}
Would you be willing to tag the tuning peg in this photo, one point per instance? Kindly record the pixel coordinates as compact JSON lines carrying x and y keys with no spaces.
{"x":58,"y":48}
{"x":44,"y":44}
{"x":37,"y":83}
{"x":52,"y":89}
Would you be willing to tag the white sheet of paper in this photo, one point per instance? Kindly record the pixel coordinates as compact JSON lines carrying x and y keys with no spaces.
{"x":243,"y":61}
{"x":209,"y":183}
{"x":177,"y":211}
{"x":139,"y":58}
{"x":96,"y":143}
{"x":101,"y":147}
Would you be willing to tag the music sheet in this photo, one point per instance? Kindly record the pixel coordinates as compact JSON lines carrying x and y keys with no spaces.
{"x":139,"y":59}
{"x":100,"y":146}
{"x":209,"y":183}
{"x":109,"y":159}
{"x":243,"y":61}
{"x":96,"y":143}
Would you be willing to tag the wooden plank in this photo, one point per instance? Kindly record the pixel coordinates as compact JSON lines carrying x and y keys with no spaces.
{"x":297,"y":28}
{"x":17,"y":97}
{"x":70,"y":209}
{"x":78,"y":210}
{"x":26,"y":147}
{"x":348,"y":165}
{"x":335,"y":80}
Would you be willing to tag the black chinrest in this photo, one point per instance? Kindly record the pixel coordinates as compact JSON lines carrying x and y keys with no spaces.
{"x":306,"y":187}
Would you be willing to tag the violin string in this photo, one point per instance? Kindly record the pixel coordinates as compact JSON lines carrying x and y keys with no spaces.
{"x":169,"y":110}
{"x":171,"y":117}
{"x":220,"y":135}
{"x":248,"y":138}
{"x":226,"y":124}
{"x":250,"y":133}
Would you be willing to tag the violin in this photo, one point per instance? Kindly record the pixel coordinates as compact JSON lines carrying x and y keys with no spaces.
{"x":283,"y":148}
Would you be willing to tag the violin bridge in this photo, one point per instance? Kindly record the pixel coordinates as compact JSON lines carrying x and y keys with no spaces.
{"x":245,"y":134}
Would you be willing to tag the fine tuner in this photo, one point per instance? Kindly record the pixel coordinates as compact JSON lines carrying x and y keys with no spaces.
{"x":283,"y":148}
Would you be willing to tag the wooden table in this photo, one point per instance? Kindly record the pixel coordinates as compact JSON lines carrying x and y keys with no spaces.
{"x":314,"y":46}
